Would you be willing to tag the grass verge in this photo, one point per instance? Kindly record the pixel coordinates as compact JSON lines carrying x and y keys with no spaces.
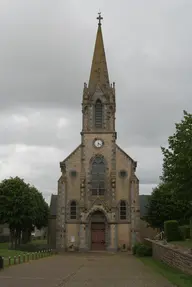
{"x":176,"y":277}
{"x":20,"y":256}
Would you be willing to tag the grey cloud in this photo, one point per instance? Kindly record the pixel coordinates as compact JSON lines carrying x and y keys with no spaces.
{"x":40,"y":128}
{"x":46,"y":51}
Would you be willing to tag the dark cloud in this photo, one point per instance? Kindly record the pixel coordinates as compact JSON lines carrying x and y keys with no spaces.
{"x":45,"y":54}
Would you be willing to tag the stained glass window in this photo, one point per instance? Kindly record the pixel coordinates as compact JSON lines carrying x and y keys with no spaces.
{"x":98,"y":176}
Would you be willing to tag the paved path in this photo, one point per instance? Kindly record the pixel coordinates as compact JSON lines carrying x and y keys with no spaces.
{"x":77,"y":270}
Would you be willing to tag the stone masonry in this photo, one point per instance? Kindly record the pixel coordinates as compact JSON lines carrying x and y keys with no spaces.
{"x":172,"y":256}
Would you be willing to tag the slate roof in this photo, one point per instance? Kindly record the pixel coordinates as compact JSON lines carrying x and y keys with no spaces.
{"x":53,"y":205}
{"x":143,"y":203}
{"x":142,"y":198}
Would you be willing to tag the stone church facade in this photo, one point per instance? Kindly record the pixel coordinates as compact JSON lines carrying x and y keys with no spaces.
{"x":97,"y":205}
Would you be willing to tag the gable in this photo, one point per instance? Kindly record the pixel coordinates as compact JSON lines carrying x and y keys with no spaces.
{"x":72,"y":154}
{"x":125,"y":154}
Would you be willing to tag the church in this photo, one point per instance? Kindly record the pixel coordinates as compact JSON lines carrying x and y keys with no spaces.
{"x":97,"y":204}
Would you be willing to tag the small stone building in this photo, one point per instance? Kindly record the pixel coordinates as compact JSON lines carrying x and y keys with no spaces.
{"x":98,"y":191}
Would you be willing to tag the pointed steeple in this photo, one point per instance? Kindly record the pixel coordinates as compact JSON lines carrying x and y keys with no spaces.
{"x":99,"y":72}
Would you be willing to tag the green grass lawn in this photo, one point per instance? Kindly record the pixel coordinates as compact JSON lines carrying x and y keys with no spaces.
{"x":187,"y":243}
{"x":175,"y":276}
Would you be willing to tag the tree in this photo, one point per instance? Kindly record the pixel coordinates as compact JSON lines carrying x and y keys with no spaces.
{"x":40,"y":214}
{"x":22,"y":207}
{"x":177,"y":162}
{"x":163,"y":206}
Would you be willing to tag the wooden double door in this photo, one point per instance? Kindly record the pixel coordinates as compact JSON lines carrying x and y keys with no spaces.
{"x":98,"y":236}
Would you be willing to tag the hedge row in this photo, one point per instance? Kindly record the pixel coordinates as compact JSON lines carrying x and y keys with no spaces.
{"x":174,"y":232}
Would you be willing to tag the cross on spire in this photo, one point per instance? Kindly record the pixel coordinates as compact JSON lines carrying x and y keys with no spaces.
{"x":99,"y":18}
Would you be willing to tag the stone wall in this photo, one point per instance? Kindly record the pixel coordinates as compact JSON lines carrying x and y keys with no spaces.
{"x":179,"y":259}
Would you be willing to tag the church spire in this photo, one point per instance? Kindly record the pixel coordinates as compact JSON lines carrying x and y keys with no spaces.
{"x":99,"y":72}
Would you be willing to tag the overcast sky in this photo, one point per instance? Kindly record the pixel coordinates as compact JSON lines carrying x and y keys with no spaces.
{"x":46,"y":50}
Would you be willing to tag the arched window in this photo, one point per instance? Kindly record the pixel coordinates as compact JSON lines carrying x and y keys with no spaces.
{"x":98,"y":171}
{"x":98,"y":114}
{"x":73,"y":210}
{"x":123,"y":210}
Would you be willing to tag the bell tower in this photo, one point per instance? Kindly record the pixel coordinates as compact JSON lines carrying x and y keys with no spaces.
{"x":98,"y":106}
{"x":98,"y":136}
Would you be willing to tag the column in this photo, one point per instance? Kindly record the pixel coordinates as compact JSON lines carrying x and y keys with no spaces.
{"x":60,"y":220}
{"x":82,"y":236}
{"x":113,"y":237}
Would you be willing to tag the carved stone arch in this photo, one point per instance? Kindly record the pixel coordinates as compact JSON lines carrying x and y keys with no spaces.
{"x":97,"y":155}
{"x":69,"y":204}
{"x":99,"y":97}
{"x":94,"y":209}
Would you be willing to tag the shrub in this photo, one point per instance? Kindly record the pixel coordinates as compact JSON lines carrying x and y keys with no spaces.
{"x":185,"y":231}
{"x":184,"y":221}
{"x":134,"y":249}
{"x":142,"y":250}
{"x":171,"y":228}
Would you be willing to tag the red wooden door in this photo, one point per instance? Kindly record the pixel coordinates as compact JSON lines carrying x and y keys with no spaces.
{"x":98,"y":236}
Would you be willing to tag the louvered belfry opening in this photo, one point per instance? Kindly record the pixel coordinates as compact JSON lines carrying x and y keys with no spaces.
{"x":73,"y":210}
{"x":98,"y":114}
{"x":123,"y":210}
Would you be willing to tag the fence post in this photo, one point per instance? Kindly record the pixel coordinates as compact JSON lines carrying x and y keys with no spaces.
{"x":23,"y":258}
{"x":9,"y":261}
{"x":1,"y":262}
{"x":191,"y":227}
{"x":28,"y":257}
{"x":15,"y":261}
{"x":19,"y":259}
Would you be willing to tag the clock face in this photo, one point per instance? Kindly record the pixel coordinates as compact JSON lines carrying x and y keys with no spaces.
{"x":98,"y":143}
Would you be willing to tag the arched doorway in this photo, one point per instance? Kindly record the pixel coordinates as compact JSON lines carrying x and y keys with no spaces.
{"x":98,"y":231}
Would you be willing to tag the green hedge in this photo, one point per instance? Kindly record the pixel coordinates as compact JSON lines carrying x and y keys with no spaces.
{"x":29,"y":247}
{"x":171,"y":229}
{"x":142,"y":250}
{"x":4,"y":238}
{"x":185,"y":231}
